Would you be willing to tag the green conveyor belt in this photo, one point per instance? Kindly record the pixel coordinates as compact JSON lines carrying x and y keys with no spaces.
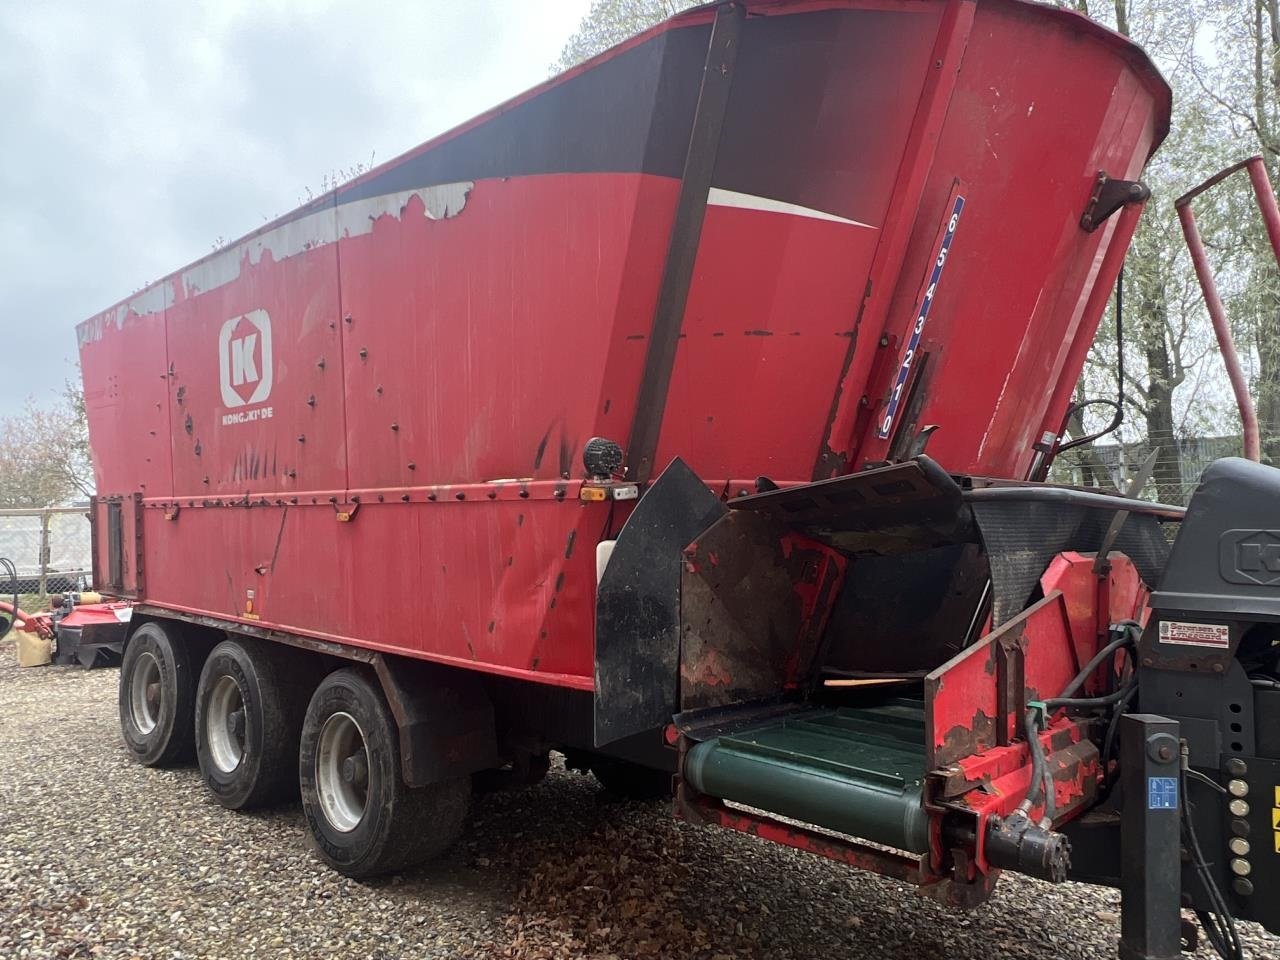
{"x":856,"y":770}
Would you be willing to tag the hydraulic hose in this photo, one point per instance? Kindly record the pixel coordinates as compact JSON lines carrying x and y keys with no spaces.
{"x":1127,"y":638}
{"x":1089,"y":703}
{"x":1041,"y":777}
{"x":1218,"y":923}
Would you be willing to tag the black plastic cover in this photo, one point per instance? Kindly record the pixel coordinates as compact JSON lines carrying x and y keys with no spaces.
{"x":1226,"y":559}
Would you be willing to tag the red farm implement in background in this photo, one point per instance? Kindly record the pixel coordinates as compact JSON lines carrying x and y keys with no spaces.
{"x":684,"y":415}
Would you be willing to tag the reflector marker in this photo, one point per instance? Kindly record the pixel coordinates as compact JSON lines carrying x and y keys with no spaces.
{"x":717,"y":197}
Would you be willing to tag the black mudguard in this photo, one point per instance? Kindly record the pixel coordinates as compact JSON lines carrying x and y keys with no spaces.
{"x":638,"y":606}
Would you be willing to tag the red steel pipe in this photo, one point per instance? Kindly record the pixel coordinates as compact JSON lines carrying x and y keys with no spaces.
{"x":1217,"y":312}
{"x":25,"y":621}
{"x":1266,"y":201}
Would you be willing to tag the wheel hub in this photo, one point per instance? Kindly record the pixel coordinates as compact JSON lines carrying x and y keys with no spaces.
{"x":225,"y":724}
{"x":355,"y":769}
{"x":342,"y":772}
{"x":145,"y":695}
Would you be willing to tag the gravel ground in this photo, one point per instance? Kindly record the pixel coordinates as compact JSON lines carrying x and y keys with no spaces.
{"x":103,"y":858}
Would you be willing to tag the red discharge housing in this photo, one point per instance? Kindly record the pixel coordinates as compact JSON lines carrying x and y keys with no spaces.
{"x":364,"y":422}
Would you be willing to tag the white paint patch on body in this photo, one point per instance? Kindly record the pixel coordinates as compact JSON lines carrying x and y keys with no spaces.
{"x":325,"y":226}
{"x":717,"y":197}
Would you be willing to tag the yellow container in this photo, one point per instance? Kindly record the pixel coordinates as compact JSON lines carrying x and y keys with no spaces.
{"x":33,"y":650}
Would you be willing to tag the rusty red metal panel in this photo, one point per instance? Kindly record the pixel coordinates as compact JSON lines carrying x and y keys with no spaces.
{"x":754,"y":600}
{"x":124,"y":363}
{"x":976,"y":701}
{"x":890,"y":863}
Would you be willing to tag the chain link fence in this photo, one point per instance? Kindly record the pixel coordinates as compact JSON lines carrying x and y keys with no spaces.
{"x":51,"y":548}
{"x":1176,"y":475}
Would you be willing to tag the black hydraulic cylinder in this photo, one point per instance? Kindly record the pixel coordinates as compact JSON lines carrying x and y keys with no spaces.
{"x":1150,"y":839}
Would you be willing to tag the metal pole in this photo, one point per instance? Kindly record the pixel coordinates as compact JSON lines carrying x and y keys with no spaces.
{"x":1150,"y":842}
{"x":44,"y":554}
{"x":1221,"y":329}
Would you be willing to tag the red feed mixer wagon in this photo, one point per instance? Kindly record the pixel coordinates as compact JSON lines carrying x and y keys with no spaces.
{"x":689,"y":415}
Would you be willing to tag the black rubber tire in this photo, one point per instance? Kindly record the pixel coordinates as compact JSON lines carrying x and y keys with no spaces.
{"x":400,"y":827}
{"x":274,"y":699}
{"x":172,"y":739}
{"x":631,"y":780}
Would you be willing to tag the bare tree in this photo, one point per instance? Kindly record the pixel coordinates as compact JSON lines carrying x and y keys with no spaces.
{"x":44,"y":453}
{"x":609,"y":22}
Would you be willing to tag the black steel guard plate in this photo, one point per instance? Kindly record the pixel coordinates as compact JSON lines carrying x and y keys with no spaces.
{"x":638,"y":605}
{"x":905,"y":506}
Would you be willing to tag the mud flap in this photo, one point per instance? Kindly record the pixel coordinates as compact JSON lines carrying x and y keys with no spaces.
{"x":638,"y":606}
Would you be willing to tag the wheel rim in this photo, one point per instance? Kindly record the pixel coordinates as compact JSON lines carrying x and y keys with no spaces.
{"x":145,"y":693}
{"x":224,"y":723}
{"x":342,"y":772}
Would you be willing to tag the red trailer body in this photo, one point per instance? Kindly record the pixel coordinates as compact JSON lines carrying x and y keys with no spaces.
{"x":597,"y":425}
{"x":363,"y":423}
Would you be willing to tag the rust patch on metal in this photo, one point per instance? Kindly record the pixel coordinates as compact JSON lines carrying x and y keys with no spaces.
{"x":964,"y":741}
{"x":697,"y":809}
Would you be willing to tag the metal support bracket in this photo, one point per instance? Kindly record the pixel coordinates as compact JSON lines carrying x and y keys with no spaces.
{"x":1150,"y":839}
{"x":1108,"y":196}
{"x":686,"y":232}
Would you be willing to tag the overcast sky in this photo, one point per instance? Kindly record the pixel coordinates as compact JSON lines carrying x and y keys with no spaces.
{"x":134,"y":135}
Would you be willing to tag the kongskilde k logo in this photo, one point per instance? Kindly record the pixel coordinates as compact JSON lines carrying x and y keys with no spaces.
{"x":1250,"y":556}
{"x":244,"y":359}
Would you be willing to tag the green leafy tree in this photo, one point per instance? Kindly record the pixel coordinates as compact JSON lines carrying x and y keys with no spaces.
{"x":1175,"y":383}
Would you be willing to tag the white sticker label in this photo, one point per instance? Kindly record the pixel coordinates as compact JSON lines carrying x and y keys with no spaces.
{"x":1215,"y":635}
